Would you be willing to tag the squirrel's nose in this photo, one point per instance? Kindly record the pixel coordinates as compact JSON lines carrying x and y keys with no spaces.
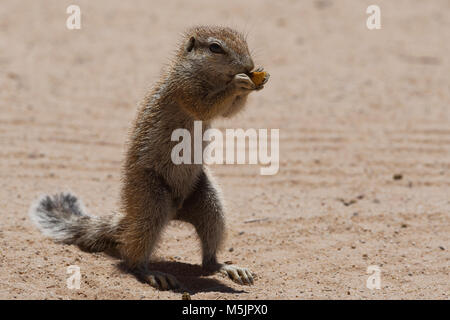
{"x":249,"y":66}
{"x":246,"y":63}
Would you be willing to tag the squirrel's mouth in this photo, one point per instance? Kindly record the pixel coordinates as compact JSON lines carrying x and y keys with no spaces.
{"x":246,"y":71}
{"x":230,"y":77}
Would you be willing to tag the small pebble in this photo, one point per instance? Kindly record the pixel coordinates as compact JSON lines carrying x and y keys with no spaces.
{"x":186,"y":296}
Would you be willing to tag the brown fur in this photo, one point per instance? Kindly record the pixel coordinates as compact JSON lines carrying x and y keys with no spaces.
{"x":198,"y":85}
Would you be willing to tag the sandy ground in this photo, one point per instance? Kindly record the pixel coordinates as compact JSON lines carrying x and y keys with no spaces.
{"x":354,"y":107}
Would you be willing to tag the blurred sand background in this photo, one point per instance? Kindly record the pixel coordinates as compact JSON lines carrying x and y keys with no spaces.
{"x":354,"y":107}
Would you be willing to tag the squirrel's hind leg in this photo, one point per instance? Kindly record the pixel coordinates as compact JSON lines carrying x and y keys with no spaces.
{"x":203,"y":209}
{"x":149,"y":207}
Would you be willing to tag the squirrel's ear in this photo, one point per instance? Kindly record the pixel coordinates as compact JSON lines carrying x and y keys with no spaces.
{"x":190,"y":45}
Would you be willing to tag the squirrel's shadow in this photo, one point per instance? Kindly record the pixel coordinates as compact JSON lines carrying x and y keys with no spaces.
{"x":191,"y":276}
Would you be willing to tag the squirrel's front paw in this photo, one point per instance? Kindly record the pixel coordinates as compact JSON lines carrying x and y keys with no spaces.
{"x":237,"y":274}
{"x":243,"y":82}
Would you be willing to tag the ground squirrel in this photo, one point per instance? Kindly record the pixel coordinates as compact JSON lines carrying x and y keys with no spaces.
{"x":208,"y":78}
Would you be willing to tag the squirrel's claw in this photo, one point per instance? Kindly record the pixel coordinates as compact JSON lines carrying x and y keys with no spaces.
{"x":237,"y":274}
{"x":243,"y":82}
{"x":161,"y":281}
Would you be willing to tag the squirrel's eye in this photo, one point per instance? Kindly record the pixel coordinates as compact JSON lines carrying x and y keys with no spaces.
{"x":216,"y":48}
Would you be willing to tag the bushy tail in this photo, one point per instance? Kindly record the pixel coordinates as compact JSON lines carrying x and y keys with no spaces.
{"x":62,"y":218}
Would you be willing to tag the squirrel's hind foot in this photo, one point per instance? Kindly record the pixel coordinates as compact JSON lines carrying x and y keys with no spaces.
{"x":237,"y":274}
{"x":160,"y":280}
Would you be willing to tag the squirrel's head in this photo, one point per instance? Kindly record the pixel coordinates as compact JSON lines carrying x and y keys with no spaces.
{"x":218,"y":52}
